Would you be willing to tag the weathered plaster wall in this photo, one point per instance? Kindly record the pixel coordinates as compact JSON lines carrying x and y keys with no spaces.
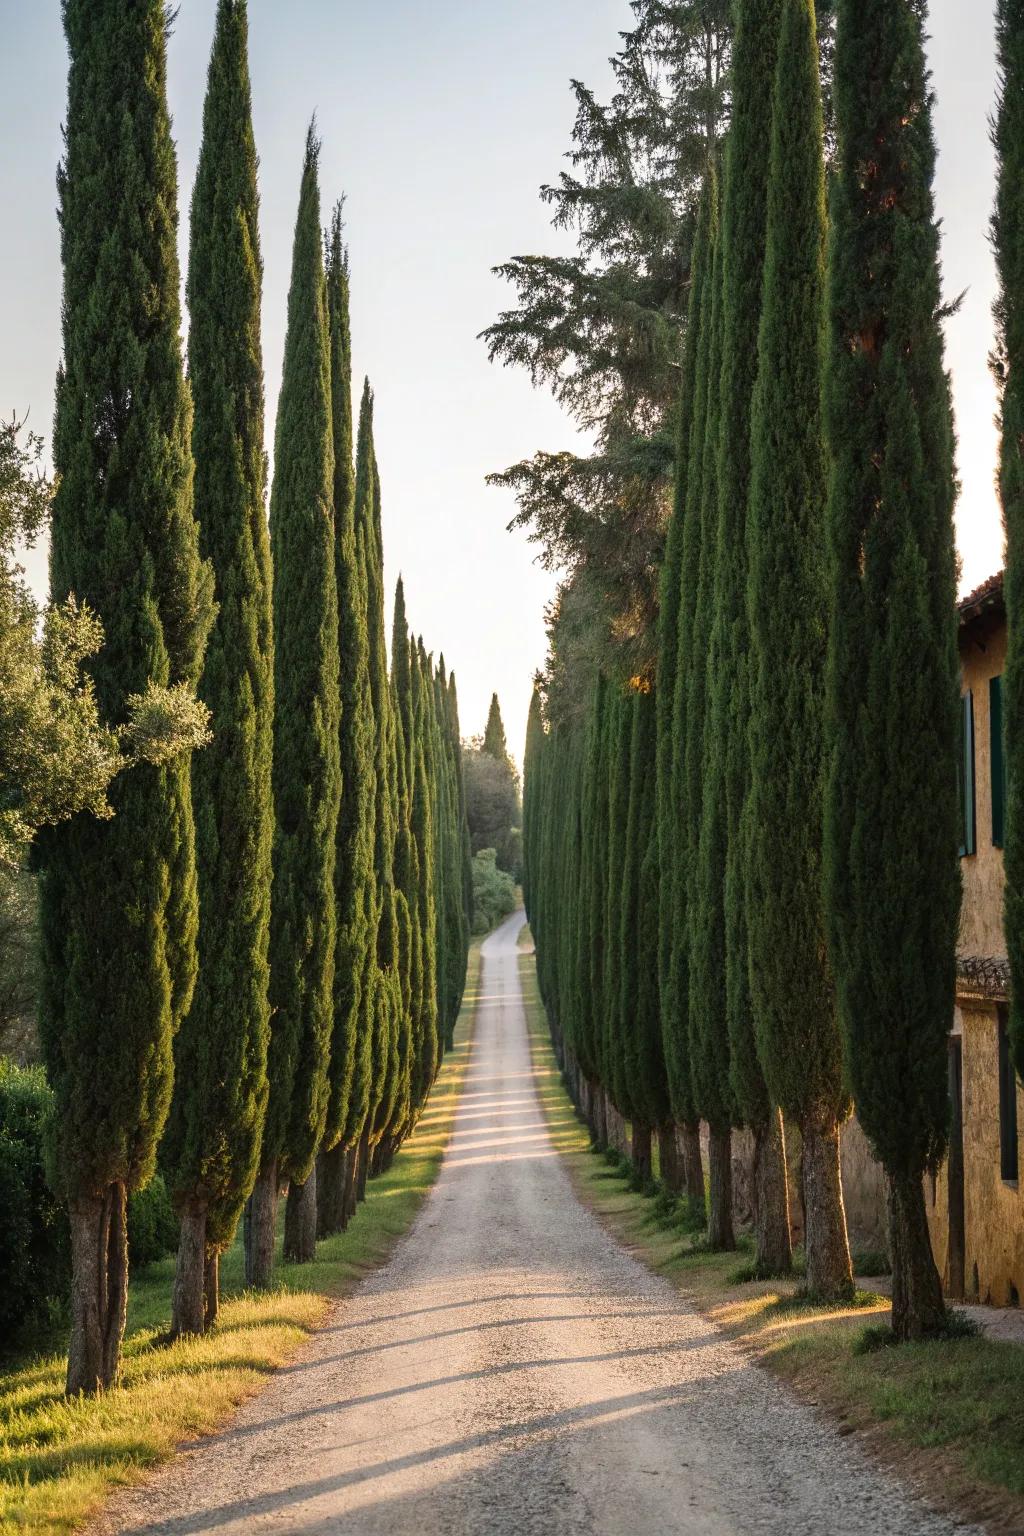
{"x":982,"y":657}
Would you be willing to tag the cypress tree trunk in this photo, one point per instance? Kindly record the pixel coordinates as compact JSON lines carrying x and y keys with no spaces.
{"x":187,"y":1298}
{"x":670,"y":1164}
{"x":99,"y":1288}
{"x":211,"y":1287}
{"x":363,"y":1166}
{"x":300,"y":1221}
{"x":829,"y":1271}
{"x":693,"y":1167}
{"x":774,"y":1250}
{"x":351,"y":1174}
{"x":641,"y":1153}
{"x":918,"y":1308}
{"x":260,"y":1230}
{"x":331,"y":1178}
{"x":721,"y":1237}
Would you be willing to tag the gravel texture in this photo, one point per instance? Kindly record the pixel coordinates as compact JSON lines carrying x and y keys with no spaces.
{"x":513,"y":1370}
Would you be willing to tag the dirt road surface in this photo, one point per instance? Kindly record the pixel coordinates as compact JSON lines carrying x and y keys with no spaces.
{"x":513,"y":1371}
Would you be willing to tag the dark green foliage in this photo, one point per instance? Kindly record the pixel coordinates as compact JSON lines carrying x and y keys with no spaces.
{"x":152,"y":1224}
{"x":463,"y":812}
{"x":35,"y":1256}
{"x":744,"y":217}
{"x":426,"y":1043}
{"x":494,"y":742}
{"x":891,"y":834}
{"x":796,"y":1029}
{"x":639,"y":1007}
{"x":531,"y":764}
{"x":306,"y":774}
{"x":355,"y":893}
{"x":586,"y":1023}
{"x":211,"y":1149}
{"x":598,"y":833}
{"x":493,"y":811}
{"x":702,"y":913}
{"x":494,"y":895}
{"x":616,"y":1073}
{"x":119,"y":896}
{"x":1008,"y":360}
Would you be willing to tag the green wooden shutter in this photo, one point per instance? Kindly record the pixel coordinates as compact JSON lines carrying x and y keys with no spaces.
{"x":995,"y":716}
{"x":968,"y":844}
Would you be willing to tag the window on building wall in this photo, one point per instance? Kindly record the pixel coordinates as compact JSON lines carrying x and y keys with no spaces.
{"x":965,"y":776}
{"x":1007,"y":1105}
{"x":995,"y":701}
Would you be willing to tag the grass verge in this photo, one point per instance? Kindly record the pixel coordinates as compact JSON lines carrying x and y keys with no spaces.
{"x":60,"y":1458}
{"x":947,"y":1416}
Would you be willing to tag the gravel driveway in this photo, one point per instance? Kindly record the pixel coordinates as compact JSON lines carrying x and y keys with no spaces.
{"x":512,"y":1370}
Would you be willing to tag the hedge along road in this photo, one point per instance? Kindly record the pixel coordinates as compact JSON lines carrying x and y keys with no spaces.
{"x":513,"y":1370}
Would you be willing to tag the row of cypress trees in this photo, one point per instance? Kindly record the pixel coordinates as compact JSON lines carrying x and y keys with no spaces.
{"x":252,"y":970}
{"x":742,"y":871}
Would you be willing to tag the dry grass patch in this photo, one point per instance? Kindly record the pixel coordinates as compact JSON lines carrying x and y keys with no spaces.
{"x":949,"y":1415}
{"x":60,"y":1458}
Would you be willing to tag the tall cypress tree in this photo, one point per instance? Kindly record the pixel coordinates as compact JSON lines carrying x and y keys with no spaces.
{"x":531,"y":760}
{"x":354,"y":880}
{"x":425,"y":1066}
{"x":306,"y":772}
{"x":708,"y":1040}
{"x":796,"y":1028}
{"x":679,"y":584}
{"x":586,"y":1031}
{"x":892,"y":881}
{"x":1008,"y":240}
{"x":465,"y":854}
{"x":494,"y":735}
{"x":118,"y":896}
{"x":211,"y":1149}
{"x":620,"y":740}
{"x":744,"y":218}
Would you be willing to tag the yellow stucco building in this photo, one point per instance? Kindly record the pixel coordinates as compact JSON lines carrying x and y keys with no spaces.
{"x":975,"y":1204}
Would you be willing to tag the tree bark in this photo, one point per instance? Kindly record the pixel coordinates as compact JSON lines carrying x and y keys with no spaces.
{"x":641,"y":1153}
{"x":599,"y":1117}
{"x":721,"y":1237}
{"x":351,"y":1169}
{"x":211,"y":1287}
{"x":670,"y":1165}
{"x":331,"y":1173}
{"x":774,"y":1240}
{"x":300,"y":1221}
{"x":188,"y":1313}
{"x":363,"y":1169}
{"x":918,"y":1307}
{"x":99,"y":1288}
{"x":829,"y":1271}
{"x":260,"y":1225}
{"x":693,"y":1167}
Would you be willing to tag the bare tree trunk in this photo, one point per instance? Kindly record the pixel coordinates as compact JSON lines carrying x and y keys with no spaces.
{"x":211,"y":1287}
{"x":774,"y":1253}
{"x":331,"y":1169}
{"x":260,"y":1229}
{"x":643,"y":1169}
{"x":721,"y":1237}
{"x":670,"y":1165}
{"x":918,"y":1308}
{"x":300,"y":1221}
{"x":99,"y":1288}
{"x":351,"y":1169}
{"x":693,"y":1167}
{"x":829,"y":1271}
{"x":188,"y":1314}
{"x":600,"y":1120}
{"x":364,"y":1165}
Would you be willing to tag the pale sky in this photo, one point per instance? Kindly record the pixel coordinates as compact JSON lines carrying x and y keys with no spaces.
{"x":439,"y":122}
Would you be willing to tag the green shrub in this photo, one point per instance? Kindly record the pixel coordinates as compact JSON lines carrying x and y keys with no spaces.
{"x":152,"y":1224}
{"x":35,"y":1254}
{"x":494,"y":892}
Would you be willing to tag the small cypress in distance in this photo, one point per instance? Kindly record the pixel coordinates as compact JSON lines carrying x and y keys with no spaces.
{"x":466,"y":855}
{"x":744,"y":216}
{"x":119,"y":895}
{"x":796,"y":1028}
{"x":892,"y":881}
{"x":306,"y":770}
{"x":1008,"y":365}
{"x":210,"y":1150}
{"x":354,"y":881}
{"x":708,"y":1041}
{"x":679,"y":586}
{"x":494,"y":735}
